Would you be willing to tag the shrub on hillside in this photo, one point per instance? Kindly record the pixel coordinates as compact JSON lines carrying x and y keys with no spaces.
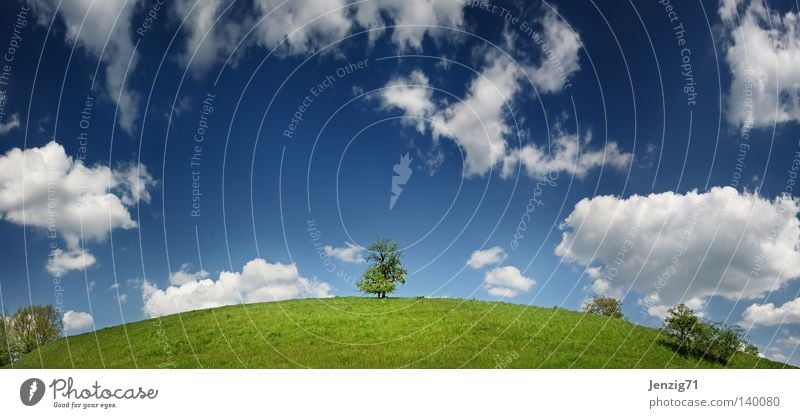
{"x":603,"y":305}
{"x":693,"y":336}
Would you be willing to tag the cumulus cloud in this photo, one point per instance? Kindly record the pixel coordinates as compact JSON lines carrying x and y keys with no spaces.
{"x":671,"y":248}
{"x":9,"y":125}
{"x":350,"y":253}
{"x":63,"y":196}
{"x":61,"y":261}
{"x":769,"y":315}
{"x":77,"y":321}
{"x":480,"y":258}
{"x":506,"y":282}
{"x":184,"y":276}
{"x":259,"y":281}
{"x":103,"y":30}
{"x":761,"y":49}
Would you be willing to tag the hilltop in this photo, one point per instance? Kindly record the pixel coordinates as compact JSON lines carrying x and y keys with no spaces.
{"x":357,"y":332}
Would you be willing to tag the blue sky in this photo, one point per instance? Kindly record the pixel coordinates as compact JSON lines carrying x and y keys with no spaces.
{"x":557,"y":151}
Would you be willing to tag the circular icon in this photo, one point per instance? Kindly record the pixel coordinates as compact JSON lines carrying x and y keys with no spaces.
{"x":31,"y":391}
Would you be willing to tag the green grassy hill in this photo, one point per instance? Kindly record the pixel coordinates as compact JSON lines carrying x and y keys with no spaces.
{"x":372,"y":333}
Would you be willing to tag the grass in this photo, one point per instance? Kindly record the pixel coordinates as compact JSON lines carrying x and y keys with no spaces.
{"x":372,"y":333}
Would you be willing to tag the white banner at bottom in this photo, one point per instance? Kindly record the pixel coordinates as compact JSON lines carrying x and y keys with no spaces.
{"x":398,"y":393}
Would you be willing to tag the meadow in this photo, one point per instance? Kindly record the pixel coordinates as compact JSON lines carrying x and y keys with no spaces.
{"x":355,"y":332}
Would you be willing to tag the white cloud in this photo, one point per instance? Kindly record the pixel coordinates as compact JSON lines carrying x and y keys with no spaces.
{"x":9,"y":125}
{"x":350,"y":253}
{"x":780,"y":358}
{"x":294,"y":19}
{"x":661,"y":311}
{"x":728,"y":9}
{"x":61,"y":262}
{"x":210,"y":37}
{"x":184,"y":276}
{"x":566,"y":156}
{"x":478,"y":125}
{"x":480,"y":258}
{"x":304,"y":26}
{"x":560,"y":46}
{"x":259,"y":281}
{"x":77,"y":321}
{"x":502,"y":292}
{"x":424,"y":15}
{"x":762,"y":50}
{"x":769,"y":315}
{"x":600,"y":285}
{"x":63,"y":196}
{"x":410,"y":94}
{"x":103,"y":30}
{"x":507,"y":281}
{"x":312,"y":24}
{"x":672,"y":248}
{"x":478,"y":122}
{"x":790,"y":341}
{"x":122,"y":298}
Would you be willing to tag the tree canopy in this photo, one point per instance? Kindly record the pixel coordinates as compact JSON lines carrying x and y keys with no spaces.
{"x":30,"y":328}
{"x":604,"y":305}
{"x":384,"y":269}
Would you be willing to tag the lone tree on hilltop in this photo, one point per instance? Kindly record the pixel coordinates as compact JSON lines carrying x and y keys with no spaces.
{"x":384,"y":270}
